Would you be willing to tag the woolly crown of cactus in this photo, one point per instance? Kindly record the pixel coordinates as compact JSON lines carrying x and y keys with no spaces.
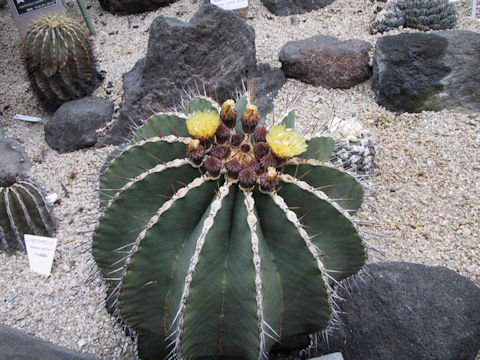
{"x":222,"y":242}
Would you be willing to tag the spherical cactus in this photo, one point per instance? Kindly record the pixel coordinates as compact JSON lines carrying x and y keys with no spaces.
{"x":22,"y":211}
{"x":59,"y":56}
{"x":218,"y":250}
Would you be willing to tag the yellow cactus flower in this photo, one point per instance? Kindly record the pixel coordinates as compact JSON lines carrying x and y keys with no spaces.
{"x":203,"y":124}
{"x":285,"y":143}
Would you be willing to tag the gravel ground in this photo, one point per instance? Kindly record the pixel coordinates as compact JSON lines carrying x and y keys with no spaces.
{"x":423,"y":204}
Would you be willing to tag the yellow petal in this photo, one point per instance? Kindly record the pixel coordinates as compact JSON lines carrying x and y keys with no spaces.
{"x":203,"y":124}
{"x":286,"y":143}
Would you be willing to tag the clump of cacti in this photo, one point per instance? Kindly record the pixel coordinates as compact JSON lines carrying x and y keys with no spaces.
{"x":417,"y":14}
{"x":23,"y":210}
{"x":59,"y":58}
{"x":220,"y":237}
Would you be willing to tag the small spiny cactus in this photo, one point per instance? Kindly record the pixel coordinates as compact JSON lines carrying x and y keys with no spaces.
{"x":23,"y":210}
{"x":221,"y":238}
{"x":417,"y":14}
{"x":59,"y":56}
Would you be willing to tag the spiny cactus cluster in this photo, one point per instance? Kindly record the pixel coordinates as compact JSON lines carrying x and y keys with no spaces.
{"x":221,"y":238}
{"x":59,"y":56}
{"x":23,"y":210}
{"x":417,"y":14}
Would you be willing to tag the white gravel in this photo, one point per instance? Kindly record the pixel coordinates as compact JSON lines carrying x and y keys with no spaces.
{"x":424,"y":198}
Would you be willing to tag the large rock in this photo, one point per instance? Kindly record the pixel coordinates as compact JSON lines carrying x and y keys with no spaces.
{"x":133,"y":6}
{"x":16,"y":345}
{"x":290,"y":7}
{"x":404,"y":311}
{"x":326,"y":61}
{"x":215,"y":51}
{"x":74,"y":125}
{"x":416,"y":71}
{"x":13,"y":160}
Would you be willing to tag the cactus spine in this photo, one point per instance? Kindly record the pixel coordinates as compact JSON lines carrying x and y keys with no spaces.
{"x":59,"y":56}
{"x":22,"y":211}
{"x":220,"y":244}
{"x":417,"y":14}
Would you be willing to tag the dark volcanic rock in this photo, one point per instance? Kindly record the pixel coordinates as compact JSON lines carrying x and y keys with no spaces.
{"x":326,"y":61}
{"x":74,"y":125}
{"x":16,"y":345}
{"x":266,"y":82}
{"x":133,"y":6}
{"x":215,"y":51}
{"x":417,"y":71}
{"x":404,"y":311}
{"x":13,"y":159}
{"x":290,"y":7}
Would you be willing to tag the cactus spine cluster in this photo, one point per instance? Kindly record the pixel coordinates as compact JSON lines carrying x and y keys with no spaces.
{"x":417,"y":14}
{"x":59,"y":56}
{"x":221,"y":238}
{"x":22,"y":211}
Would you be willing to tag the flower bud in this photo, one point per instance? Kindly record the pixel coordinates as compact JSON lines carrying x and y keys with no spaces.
{"x":220,"y":152}
{"x":228,"y":114}
{"x":261,"y":149}
{"x":233,"y":168}
{"x":195,"y":152}
{"x":255,"y":166}
{"x":247,"y":178}
{"x":222,"y":134}
{"x":250,"y":119}
{"x":259,"y":134}
{"x":213,"y":166}
{"x":236,"y":140}
{"x":269,"y":180}
{"x":268,"y":160}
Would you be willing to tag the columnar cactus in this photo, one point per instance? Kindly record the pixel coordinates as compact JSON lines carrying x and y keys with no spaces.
{"x":22,"y":211}
{"x":59,"y":56}
{"x":220,"y":238}
{"x":417,"y":14}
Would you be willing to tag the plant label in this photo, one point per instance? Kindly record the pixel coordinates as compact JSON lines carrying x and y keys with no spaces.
{"x":230,"y":4}
{"x":26,"y":11}
{"x":40,"y":252}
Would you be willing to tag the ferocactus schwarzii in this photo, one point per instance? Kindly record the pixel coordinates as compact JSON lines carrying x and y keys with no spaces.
{"x":221,"y":238}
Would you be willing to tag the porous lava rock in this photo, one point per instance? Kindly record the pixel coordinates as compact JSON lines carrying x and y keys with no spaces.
{"x":291,"y":7}
{"x":123,"y":7}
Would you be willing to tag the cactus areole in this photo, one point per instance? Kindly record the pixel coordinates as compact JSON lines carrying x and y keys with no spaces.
{"x":220,"y":238}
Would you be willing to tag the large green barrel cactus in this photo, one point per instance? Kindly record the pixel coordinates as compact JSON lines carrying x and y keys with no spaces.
{"x":221,"y":238}
{"x":59,"y":56}
{"x":23,"y":210}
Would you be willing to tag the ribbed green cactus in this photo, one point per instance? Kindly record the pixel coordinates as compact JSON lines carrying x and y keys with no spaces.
{"x":59,"y":56}
{"x":220,"y":244}
{"x":22,"y":211}
{"x":417,"y":14}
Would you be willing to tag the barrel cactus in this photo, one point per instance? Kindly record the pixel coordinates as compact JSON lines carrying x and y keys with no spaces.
{"x":417,"y":14}
{"x":23,"y":210}
{"x":59,"y":56}
{"x":220,"y":238}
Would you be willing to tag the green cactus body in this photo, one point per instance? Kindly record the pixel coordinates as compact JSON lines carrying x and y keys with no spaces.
{"x":423,"y":15}
{"x":22,"y":211}
{"x":59,"y":58}
{"x":204,"y":261}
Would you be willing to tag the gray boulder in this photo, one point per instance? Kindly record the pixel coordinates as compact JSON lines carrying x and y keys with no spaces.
{"x":405,"y":311}
{"x":414,"y":72}
{"x":123,"y":7}
{"x":291,"y":7}
{"x":16,"y":345}
{"x":14,"y":160}
{"x":74,"y":125}
{"x":215,"y":51}
{"x":326,"y":61}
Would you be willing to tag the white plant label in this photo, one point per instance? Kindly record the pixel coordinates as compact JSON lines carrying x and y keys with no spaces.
{"x":230,"y":4}
{"x":40,"y":251}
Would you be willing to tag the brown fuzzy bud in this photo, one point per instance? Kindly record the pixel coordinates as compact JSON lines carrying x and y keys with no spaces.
{"x":233,"y":168}
{"x":261,"y":149}
{"x":247,"y":178}
{"x":245,"y":148}
{"x":237,"y":139}
{"x":268,"y":161}
{"x":228,"y":114}
{"x":255,"y":166}
{"x":250,"y":119}
{"x":259,"y":134}
{"x":269,"y":180}
{"x":222,"y":134}
{"x":220,"y":152}
{"x":195,"y":152}
{"x":213,"y":166}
